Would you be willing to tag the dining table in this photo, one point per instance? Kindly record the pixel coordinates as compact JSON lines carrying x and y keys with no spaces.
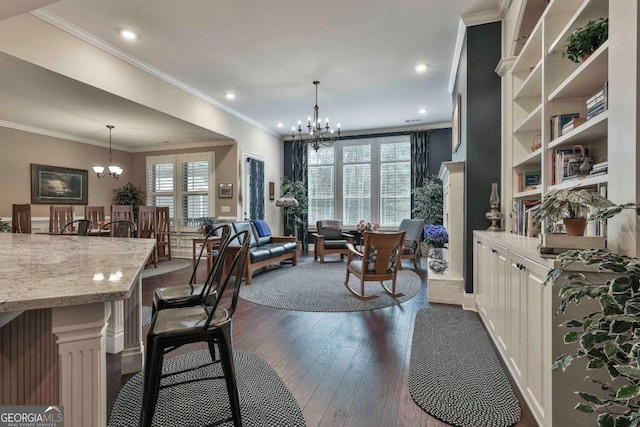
{"x":79,"y":283}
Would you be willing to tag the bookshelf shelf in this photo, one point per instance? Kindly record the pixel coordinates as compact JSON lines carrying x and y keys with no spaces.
{"x":593,"y":130}
{"x":530,"y":159}
{"x":587,"y":181}
{"x":532,"y":122}
{"x":531,"y":52}
{"x":582,"y":11}
{"x":587,"y":78}
{"x":531,"y":86}
{"x":529,"y":194}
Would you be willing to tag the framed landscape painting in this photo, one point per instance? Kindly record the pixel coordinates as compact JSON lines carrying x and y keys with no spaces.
{"x":56,"y":185}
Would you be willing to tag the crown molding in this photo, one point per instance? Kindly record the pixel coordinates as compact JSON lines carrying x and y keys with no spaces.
{"x":185,"y":146}
{"x":457,"y":52}
{"x":480,"y":18}
{"x":78,"y":32}
{"x":60,"y":135}
{"x":503,"y":5}
{"x":505,"y":65}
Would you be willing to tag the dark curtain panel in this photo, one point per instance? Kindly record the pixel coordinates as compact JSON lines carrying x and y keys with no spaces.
{"x":300,"y":169}
{"x":256,"y":188}
{"x":419,"y":159}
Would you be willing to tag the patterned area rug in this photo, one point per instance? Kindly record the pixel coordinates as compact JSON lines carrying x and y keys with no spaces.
{"x":264,"y":399}
{"x":166,"y":266}
{"x":146,"y":315}
{"x":456,"y":376}
{"x":311,"y":286}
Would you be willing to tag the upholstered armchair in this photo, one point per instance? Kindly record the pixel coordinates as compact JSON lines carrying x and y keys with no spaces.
{"x":413,"y":229}
{"x":329,"y":239}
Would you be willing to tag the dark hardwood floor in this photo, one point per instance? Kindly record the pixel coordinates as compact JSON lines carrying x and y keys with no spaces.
{"x":344,"y":369}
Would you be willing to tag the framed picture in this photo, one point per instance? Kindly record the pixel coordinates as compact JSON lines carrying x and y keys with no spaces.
{"x":455,"y":124}
{"x":56,"y":185}
{"x":225,"y":191}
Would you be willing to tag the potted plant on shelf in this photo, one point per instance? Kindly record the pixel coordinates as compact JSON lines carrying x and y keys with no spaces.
{"x":206,"y":224}
{"x":570,"y":205}
{"x":609,"y":336}
{"x":583,"y":41}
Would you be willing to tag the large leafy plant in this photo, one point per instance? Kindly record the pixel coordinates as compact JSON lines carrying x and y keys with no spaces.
{"x":585,"y":40}
{"x":428,"y":200}
{"x":129,"y":194}
{"x":570,"y":203}
{"x":5,"y":227}
{"x":296,"y":189}
{"x":609,"y":338}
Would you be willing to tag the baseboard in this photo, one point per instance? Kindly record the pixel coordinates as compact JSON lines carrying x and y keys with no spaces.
{"x":469,"y":302}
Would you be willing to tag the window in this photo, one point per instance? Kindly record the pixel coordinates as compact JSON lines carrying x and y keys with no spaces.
{"x":361,"y":179}
{"x":183,"y":183}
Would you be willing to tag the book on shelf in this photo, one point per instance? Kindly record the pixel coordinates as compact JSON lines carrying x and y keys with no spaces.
{"x":572,"y":124}
{"x":558,"y":121}
{"x":565,"y":164}
{"x":523,"y":217}
{"x":598,"y":102}
{"x":531,"y":180}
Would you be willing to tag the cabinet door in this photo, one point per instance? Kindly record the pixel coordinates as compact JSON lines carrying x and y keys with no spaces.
{"x":536,"y":332}
{"x":516,"y":318}
{"x":500,"y":293}
{"x":481,"y":284}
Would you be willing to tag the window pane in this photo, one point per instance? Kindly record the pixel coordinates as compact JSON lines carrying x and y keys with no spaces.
{"x":356,"y":154}
{"x":161,"y":177}
{"x":395,"y":183}
{"x":356,"y":193}
{"x":321,"y":185}
{"x":196,"y":176}
{"x":395,"y":151}
{"x":194,"y":206}
{"x":324,"y":156}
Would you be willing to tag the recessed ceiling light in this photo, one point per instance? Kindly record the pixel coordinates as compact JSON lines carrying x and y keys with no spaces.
{"x":229,"y":95}
{"x":421,"y":68}
{"x":279,"y":124}
{"x":129,"y":35}
{"x":422,"y":111}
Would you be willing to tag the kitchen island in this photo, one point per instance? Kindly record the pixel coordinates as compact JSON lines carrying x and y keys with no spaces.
{"x":70,"y":281}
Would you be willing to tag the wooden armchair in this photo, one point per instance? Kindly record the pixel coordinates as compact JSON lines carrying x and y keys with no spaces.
{"x":119,"y":212}
{"x":379,"y":261}
{"x":330,"y":239}
{"x":413,"y":229}
{"x":59,"y":216}
{"x":21,"y":218}
{"x":147,"y":229}
{"x":95,"y":214}
{"x":163,"y":232}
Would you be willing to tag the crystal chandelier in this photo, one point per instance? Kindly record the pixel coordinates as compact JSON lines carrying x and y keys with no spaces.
{"x":318,"y":135}
{"x":113,"y":170}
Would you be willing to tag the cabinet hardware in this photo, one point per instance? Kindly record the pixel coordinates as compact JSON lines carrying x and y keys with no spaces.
{"x":493,"y":251}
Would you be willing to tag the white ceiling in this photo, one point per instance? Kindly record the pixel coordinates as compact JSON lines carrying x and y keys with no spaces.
{"x":268,"y":53}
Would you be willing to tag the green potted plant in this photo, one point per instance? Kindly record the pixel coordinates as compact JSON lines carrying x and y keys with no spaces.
{"x":294,"y":214}
{"x":129,"y":194}
{"x":5,"y":227}
{"x":428,"y":201}
{"x":570,"y":205}
{"x":206,"y":224}
{"x":583,"y":41}
{"x":608,"y":337}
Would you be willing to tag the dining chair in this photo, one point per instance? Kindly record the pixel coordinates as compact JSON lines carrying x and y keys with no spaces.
{"x":21,"y":218}
{"x":119,"y":228}
{"x":121,"y":212}
{"x":378,"y":261}
{"x":80,"y":227}
{"x":147,"y":229}
{"x":163,"y":232}
{"x":208,"y":322}
{"x":95,"y":214}
{"x":59,"y":216}
{"x":191,"y":294}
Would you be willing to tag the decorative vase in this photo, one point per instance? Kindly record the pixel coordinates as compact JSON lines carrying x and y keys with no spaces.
{"x":575,"y":226}
{"x":494,"y":215}
{"x":438,"y":260}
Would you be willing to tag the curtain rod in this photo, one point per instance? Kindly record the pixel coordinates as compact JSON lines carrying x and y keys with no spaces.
{"x":377,"y":135}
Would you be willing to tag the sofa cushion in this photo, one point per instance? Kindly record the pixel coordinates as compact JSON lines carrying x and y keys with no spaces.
{"x":335,"y":244}
{"x":259,"y":254}
{"x":242,"y":226}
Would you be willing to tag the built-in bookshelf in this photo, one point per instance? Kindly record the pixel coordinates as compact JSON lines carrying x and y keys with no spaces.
{"x":556,"y":104}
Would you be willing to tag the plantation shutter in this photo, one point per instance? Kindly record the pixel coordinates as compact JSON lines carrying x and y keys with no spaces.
{"x":395,"y":183}
{"x":356,"y":184}
{"x":160,"y":185}
{"x":195,"y":191}
{"x":321,"y":184}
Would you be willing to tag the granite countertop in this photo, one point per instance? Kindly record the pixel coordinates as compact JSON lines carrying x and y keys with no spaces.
{"x":42,"y":271}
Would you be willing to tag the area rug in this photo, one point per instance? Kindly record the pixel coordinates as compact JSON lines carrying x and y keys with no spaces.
{"x":146,"y":315}
{"x":264,"y":399}
{"x":454,"y":372}
{"x":313,"y":286}
{"x":166,"y":266}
